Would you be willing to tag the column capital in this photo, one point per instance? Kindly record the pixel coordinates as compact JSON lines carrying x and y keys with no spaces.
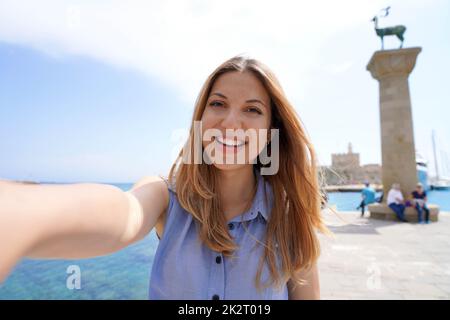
{"x":387,"y":63}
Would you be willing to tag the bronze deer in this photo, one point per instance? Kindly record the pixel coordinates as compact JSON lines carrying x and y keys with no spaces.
{"x":389,"y":31}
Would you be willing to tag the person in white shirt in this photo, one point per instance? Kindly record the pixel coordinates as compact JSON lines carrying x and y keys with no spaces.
{"x":395,"y":201}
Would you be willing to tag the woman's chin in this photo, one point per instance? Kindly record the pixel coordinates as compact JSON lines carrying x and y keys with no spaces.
{"x":228,"y":167}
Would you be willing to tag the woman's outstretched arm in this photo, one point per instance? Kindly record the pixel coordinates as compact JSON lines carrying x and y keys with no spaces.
{"x":76,"y":220}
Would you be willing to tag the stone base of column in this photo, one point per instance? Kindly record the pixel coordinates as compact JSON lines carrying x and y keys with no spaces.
{"x":383,"y":212}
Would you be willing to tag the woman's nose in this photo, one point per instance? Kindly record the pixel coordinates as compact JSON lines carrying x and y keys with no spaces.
{"x":231,"y":120}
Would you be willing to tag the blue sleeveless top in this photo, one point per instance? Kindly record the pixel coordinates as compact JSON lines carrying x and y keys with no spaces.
{"x":185,"y":268}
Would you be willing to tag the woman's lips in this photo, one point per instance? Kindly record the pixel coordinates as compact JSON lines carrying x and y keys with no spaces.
{"x":226,"y":146}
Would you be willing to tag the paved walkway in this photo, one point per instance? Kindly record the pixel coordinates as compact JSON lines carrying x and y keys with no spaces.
{"x":375,"y":259}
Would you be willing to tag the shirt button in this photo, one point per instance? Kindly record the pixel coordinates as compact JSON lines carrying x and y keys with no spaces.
{"x":215,"y":297}
{"x":230,"y":226}
{"x":218,"y":259}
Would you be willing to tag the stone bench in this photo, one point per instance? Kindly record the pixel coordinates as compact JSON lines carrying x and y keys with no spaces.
{"x":383,"y":212}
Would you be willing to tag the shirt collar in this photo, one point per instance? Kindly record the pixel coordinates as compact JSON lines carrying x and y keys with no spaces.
{"x":262,"y":203}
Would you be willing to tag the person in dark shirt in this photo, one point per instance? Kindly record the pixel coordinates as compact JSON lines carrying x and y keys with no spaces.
{"x":420,"y":200}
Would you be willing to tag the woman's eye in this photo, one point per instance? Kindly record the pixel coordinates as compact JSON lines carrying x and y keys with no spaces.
{"x":216,"y":104}
{"x":254,"y":110}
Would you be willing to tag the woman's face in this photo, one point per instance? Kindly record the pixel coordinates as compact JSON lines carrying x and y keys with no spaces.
{"x":236,"y":101}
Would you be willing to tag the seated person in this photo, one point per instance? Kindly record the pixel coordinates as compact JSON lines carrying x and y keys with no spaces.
{"x":420,"y":203}
{"x":368,"y":197}
{"x":395,"y":201}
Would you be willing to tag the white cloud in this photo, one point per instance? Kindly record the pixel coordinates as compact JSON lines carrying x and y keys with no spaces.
{"x":181,"y":42}
{"x":339,"y":67}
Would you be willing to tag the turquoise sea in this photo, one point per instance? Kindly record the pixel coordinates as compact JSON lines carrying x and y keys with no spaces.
{"x":348,"y":201}
{"x":125,"y":274}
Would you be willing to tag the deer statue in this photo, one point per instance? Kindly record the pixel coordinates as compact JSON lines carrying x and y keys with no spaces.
{"x":389,"y":31}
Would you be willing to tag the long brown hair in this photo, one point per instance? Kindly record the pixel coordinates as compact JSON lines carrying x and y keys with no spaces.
{"x":295,"y":217}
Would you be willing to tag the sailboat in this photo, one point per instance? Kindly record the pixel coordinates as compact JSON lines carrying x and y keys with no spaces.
{"x":442,"y":180}
{"x":422,"y":171}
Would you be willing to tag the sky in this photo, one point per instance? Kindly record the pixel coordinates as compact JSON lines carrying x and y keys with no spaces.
{"x":104,"y":90}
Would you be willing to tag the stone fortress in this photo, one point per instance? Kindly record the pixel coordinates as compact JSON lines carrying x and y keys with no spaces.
{"x":346,"y":169}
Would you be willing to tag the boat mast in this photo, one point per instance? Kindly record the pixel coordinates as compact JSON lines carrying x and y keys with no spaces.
{"x":435,"y":157}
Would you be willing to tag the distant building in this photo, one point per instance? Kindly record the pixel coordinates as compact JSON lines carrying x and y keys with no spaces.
{"x":347,"y":160}
{"x":346,"y":169}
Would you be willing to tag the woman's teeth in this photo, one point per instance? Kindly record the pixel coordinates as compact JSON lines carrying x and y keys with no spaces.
{"x":230,"y":142}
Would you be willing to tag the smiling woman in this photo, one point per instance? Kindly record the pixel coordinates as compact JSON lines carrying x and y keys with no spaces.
{"x":235,"y":229}
{"x":278,"y":227}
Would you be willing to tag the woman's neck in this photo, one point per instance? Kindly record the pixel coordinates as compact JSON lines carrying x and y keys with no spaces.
{"x":237,"y":188}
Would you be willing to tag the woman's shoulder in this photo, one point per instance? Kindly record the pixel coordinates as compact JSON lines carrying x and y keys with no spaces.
{"x":151,"y":190}
{"x":156,"y":182}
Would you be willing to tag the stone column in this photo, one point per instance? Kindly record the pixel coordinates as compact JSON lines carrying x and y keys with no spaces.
{"x":391,"y":68}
